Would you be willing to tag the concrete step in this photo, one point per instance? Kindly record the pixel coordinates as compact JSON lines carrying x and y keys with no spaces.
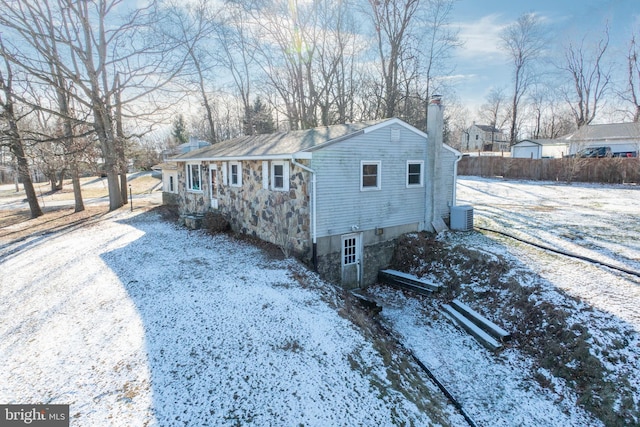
{"x":407,"y":281}
{"x":481,"y":336}
{"x":480,"y":321}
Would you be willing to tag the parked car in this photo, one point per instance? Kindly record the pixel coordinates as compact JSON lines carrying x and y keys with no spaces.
{"x":592,"y":152}
{"x":626,"y":154}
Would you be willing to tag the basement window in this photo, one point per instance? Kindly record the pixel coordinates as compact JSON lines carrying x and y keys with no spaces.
{"x":370,"y":175}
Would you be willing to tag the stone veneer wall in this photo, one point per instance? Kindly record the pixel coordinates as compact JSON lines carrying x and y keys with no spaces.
{"x":375,"y":257}
{"x":278,"y":217}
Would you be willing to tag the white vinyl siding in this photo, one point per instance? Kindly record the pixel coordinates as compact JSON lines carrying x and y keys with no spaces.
{"x":445,"y":193}
{"x":341,"y":202}
{"x":280,"y":175}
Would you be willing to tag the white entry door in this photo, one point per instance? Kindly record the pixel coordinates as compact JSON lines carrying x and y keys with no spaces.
{"x":213,"y":186}
{"x":351,"y":260}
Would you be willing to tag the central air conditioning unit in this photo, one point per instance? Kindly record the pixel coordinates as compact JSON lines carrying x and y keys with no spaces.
{"x":462,"y":218}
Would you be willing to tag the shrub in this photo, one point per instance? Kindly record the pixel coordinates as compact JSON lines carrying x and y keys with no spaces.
{"x":215,"y":223}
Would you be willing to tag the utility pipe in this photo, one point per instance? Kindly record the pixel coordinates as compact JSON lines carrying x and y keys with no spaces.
{"x":314,"y":243}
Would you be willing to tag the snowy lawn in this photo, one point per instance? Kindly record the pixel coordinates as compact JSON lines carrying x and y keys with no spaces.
{"x":598,"y":221}
{"x":134,"y":321}
{"x":511,"y":387}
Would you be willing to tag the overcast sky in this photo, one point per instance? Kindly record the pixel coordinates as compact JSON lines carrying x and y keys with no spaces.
{"x":480,"y":65}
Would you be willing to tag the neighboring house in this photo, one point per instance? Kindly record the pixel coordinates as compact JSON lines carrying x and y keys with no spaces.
{"x":483,"y":138}
{"x":169,"y":168}
{"x":540,"y":149}
{"x":621,"y":138}
{"x":336,"y":197}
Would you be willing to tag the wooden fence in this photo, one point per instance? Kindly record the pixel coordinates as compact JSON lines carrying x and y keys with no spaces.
{"x":606,"y":170}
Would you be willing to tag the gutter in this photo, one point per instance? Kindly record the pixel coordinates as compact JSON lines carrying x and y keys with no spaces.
{"x":314,"y":245}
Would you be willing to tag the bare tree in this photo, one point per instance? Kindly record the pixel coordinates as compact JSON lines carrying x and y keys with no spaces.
{"x":494,"y":111}
{"x":393,"y":20}
{"x":524,"y":43}
{"x":192,"y":26}
{"x":237,"y":55}
{"x":588,"y":75}
{"x":11,"y":137}
{"x":438,"y":43}
{"x":287,"y":38}
{"x":103,"y":56}
{"x":632,"y":94}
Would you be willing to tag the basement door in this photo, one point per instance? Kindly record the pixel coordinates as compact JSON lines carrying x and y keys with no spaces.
{"x":351,"y":260}
{"x":213,"y":187}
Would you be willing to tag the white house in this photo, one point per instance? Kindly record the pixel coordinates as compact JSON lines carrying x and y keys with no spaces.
{"x":336,"y":197}
{"x":621,"y":138}
{"x":483,"y":138}
{"x":540,"y":149}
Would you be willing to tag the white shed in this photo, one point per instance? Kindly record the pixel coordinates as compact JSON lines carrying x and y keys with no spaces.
{"x":540,"y":149}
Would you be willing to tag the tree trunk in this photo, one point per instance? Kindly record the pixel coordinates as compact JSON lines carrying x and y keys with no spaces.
{"x":23,"y":170}
{"x":124,"y":186}
{"x":77,"y":190}
{"x":113,"y":185}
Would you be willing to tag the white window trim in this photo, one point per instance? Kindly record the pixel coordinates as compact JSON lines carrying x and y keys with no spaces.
{"x":223,"y":170}
{"x":239,"y":165}
{"x":190,"y":188}
{"x":378,"y":178}
{"x":414,"y":162}
{"x":265,"y":175}
{"x":285,"y":175}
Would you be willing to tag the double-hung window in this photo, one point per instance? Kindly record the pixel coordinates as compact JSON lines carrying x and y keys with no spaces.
{"x":370,"y":175}
{"x":414,"y":173}
{"x":280,"y":175}
{"x":235,"y":174}
{"x":194,"y":177}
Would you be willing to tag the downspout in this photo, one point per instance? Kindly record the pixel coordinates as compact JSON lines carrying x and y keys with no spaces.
{"x":455,"y":180}
{"x":314,"y":243}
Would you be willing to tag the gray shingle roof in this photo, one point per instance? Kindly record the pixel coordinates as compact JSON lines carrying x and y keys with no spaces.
{"x":546,"y":141}
{"x":605,"y":132}
{"x":488,"y":128}
{"x":281,"y":143}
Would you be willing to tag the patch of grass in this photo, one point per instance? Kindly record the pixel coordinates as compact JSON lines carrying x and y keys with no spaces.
{"x":511,"y":295}
{"x":403,"y":375}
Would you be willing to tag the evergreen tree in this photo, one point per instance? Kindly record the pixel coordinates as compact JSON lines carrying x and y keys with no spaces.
{"x":180,"y":130}
{"x":259,"y":119}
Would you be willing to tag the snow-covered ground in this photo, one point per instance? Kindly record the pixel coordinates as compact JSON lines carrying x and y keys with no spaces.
{"x":599,"y":221}
{"x":134,"y":321}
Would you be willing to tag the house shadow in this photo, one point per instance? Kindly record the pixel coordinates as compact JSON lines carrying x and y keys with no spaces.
{"x":230,"y":338}
{"x":164,"y":281}
{"x":204,"y":354}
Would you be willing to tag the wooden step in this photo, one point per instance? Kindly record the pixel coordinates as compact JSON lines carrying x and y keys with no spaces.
{"x":481,"y":336}
{"x":480,"y":321}
{"x":408,"y":281}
